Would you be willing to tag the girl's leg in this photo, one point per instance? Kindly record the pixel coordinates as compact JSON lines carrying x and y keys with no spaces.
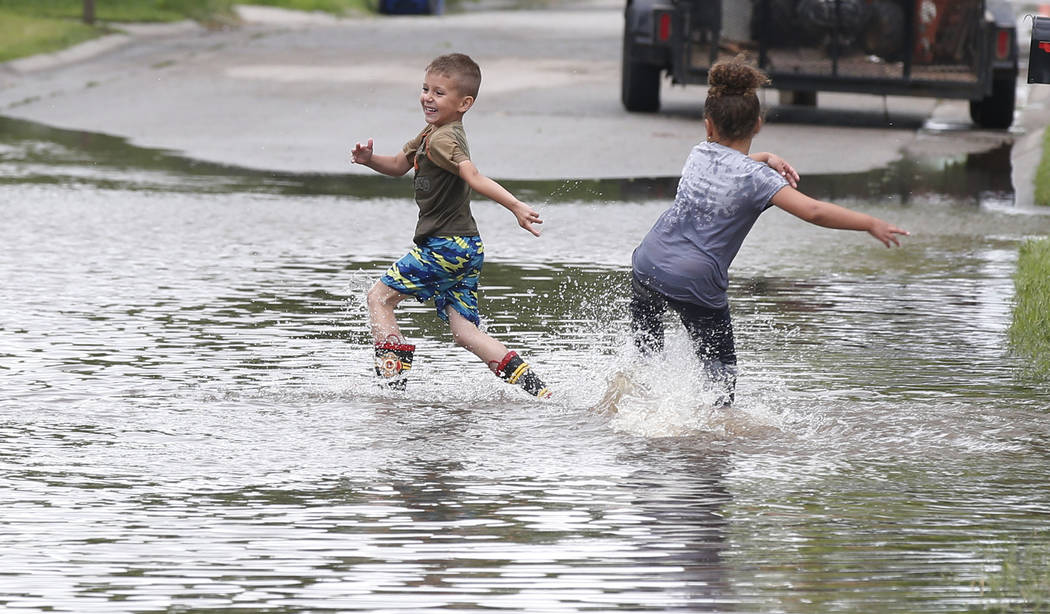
{"x":505,"y":364}
{"x":647,"y":326}
{"x":711,"y":331}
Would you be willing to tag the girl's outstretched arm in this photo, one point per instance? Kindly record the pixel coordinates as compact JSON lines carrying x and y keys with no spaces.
{"x":831,"y":215}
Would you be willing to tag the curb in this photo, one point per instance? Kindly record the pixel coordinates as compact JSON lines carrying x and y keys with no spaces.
{"x":268,"y":15}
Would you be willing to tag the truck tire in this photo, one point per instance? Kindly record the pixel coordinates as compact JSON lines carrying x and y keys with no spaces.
{"x":640,"y":82}
{"x":996,"y":111}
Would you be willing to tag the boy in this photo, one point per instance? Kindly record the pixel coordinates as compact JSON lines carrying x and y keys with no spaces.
{"x":445,"y":264}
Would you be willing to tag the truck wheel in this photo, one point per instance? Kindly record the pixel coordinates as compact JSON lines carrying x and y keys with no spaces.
{"x":640,"y":83}
{"x":996,"y":111}
{"x":435,"y":7}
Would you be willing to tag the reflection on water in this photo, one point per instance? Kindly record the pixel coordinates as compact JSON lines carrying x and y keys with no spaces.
{"x":187,"y":422}
{"x":35,"y":154}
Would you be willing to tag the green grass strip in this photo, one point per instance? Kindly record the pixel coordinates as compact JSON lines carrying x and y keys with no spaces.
{"x":171,"y":10}
{"x":22,"y":36}
{"x":30,"y":27}
{"x":121,"y":10}
{"x":1030,"y":330}
{"x":1042,"y":173}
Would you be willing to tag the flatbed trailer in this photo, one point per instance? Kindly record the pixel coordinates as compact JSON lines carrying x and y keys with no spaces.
{"x":964,"y":49}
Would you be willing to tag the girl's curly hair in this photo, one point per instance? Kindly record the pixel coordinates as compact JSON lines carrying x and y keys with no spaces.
{"x":732,"y":102}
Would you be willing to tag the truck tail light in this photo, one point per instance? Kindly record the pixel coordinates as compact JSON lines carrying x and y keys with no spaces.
{"x":663,"y":27}
{"x":1002,"y":45}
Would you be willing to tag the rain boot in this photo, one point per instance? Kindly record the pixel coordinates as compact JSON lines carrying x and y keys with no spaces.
{"x":516,"y":371}
{"x":393,"y":362}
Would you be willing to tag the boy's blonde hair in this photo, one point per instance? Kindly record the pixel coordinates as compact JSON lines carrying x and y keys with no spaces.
{"x":460,"y":68}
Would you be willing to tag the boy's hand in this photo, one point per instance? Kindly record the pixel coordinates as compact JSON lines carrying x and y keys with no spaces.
{"x":781,"y":166}
{"x":527,"y":216}
{"x":362,"y":154}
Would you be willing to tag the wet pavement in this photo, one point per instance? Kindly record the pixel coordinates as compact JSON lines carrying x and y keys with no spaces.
{"x":290,"y":92}
{"x":189,"y":422}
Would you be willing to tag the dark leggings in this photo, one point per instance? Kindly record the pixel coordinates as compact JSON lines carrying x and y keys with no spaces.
{"x":711,"y":331}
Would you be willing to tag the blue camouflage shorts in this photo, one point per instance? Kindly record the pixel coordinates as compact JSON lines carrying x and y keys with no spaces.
{"x":446,"y":269}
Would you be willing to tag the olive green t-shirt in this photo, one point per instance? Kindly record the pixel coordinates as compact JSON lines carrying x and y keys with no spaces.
{"x":442,"y":195}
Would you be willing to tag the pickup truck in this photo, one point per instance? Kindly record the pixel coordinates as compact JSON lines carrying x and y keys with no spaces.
{"x":962,"y":49}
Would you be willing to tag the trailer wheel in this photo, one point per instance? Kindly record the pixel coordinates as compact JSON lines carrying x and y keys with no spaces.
{"x":884,"y":31}
{"x":640,"y":82}
{"x":996,"y":111}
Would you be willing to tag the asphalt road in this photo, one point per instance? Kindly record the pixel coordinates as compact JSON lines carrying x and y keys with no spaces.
{"x":294,"y":92}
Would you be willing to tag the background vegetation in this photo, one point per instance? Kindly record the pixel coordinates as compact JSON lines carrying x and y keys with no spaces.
{"x":22,"y":36}
{"x":29,"y":27}
{"x":1042,"y":174}
{"x":1030,"y":331}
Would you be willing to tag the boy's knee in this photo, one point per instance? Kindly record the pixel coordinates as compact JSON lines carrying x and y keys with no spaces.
{"x":380,"y":296}
{"x":373,"y":295}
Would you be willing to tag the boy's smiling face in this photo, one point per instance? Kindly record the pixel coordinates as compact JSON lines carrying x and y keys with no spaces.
{"x":441,"y":101}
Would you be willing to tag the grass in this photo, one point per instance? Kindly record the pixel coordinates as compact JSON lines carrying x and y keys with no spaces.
{"x":169,"y":10}
{"x":29,"y":27}
{"x":1021,"y":585}
{"x":1042,"y":173}
{"x":22,"y":36}
{"x":121,"y":10}
{"x":1030,"y":330}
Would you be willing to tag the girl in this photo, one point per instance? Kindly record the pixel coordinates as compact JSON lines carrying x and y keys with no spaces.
{"x":683,"y":261}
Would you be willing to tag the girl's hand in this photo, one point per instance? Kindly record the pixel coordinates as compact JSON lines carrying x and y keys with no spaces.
{"x":362,"y":154}
{"x":886,"y":232}
{"x":781,"y":166}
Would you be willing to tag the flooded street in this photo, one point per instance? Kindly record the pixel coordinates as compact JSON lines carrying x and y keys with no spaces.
{"x":188,"y":423}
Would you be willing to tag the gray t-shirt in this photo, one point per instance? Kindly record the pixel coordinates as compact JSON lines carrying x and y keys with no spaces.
{"x":687,"y":253}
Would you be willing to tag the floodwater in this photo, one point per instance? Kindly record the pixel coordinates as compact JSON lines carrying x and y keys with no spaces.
{"x":188,"y":424}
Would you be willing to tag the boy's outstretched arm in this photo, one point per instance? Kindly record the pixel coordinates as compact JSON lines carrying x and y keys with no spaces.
{"x":833,"y":216}
{"x":395,"y":166}
{"x":527,"y":216}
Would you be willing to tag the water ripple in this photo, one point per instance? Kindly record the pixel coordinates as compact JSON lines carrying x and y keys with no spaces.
{"x":188,"y":422}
